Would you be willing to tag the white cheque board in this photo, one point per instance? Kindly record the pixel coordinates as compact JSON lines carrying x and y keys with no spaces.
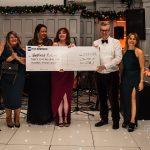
{"x":54,"y":58}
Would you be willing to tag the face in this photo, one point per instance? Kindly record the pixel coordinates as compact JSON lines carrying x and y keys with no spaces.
{"x":132,"y":40}
{"x":62,"y":35}
{"x":13,"y":40}
{"x":104,"y":31}
{"x":42,"y":33}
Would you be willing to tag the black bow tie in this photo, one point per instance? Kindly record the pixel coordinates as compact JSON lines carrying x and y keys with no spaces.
{"x":104,"y":41}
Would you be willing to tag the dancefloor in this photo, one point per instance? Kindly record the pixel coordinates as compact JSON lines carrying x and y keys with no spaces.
{"x":81,"y":135}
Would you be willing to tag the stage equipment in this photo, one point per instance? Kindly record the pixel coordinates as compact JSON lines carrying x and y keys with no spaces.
{"x":87,"y":82}
{"x":119,"y":32}
{"x":135,"y":22}
{"x":77,"y":96}
{"x":144,"y":103}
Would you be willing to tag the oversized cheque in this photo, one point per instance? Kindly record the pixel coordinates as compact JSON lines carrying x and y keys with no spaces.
{"x":54,"y":58}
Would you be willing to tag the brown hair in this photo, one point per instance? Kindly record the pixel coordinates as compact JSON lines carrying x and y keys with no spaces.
{"x":67,"y":37}
{"x":8,"y":36}
{"x":137,"y":41}
{"x":36,"y":32}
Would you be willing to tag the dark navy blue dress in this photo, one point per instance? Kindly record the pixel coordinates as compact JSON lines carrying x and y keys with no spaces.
{"x":130,"y":80}
{"x":12,"y":89}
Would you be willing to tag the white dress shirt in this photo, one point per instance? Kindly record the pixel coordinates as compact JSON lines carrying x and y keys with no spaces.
{"x":110,"y":54}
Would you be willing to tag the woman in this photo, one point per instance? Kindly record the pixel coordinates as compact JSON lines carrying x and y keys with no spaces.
{"x":132,"y":80}
{"x":39,"y":104}
{"x":62,"y":85}
{"x":12,"y":87}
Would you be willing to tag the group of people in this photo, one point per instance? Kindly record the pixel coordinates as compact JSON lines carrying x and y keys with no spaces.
{"x":110,"y":78}
{"x":50,"y":93}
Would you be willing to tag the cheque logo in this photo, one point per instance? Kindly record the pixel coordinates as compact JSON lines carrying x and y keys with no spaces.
{"x":29,"y":48}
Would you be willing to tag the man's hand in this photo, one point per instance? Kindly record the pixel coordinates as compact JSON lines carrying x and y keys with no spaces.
{"x":100,"y":68}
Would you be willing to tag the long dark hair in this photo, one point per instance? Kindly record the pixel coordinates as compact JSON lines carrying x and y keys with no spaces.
{"x":7,"y":44}
{"x":37,"y":30}
{"x":67,"y":37}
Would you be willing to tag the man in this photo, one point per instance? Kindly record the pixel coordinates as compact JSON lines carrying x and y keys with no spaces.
{"x":107,"y":75}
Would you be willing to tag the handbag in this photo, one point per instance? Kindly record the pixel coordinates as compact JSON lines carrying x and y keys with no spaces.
{"x":9,"y":69}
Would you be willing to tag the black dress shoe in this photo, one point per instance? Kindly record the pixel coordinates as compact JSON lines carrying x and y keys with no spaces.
{"x":101,"y":123}
{"x":115,"y":125}
{"x":125,"y":124}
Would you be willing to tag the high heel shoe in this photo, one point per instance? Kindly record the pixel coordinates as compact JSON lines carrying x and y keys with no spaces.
{"x":131,"y":127}
{"x":66,"y":124}
{"x":9,"y":123}
{"x":60,"y":124}
{"x":17,"y":124}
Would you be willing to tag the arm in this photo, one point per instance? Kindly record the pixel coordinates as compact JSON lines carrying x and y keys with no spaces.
{"x":11,"y":57}
{"x":1,"y":47}
{"x":141,"y":62}
{"x":14,"y":55}
{"x":22,"y":60}
{"x":18,"y":54}
{"x":117,"y":55}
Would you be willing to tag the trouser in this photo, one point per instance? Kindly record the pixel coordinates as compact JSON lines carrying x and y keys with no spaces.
{"x":107,"y":89}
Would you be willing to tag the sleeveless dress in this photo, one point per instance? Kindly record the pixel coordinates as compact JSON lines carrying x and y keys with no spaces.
{"x":130,"y":80}
{"x":39,"y":103}
{"x":62,"y":82}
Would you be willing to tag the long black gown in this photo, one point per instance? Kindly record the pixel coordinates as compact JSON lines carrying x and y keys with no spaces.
{"x":130,"y":80}
{"x":39,"y":103}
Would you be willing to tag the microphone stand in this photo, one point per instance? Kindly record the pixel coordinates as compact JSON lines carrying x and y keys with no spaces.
{"x":89,"y":87}
{"x":77,"y":103}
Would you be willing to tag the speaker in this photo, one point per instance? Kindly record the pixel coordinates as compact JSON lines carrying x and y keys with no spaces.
{"x":119,"y":32}
{"x":144,"y":103}
{"x":135,"y":22}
